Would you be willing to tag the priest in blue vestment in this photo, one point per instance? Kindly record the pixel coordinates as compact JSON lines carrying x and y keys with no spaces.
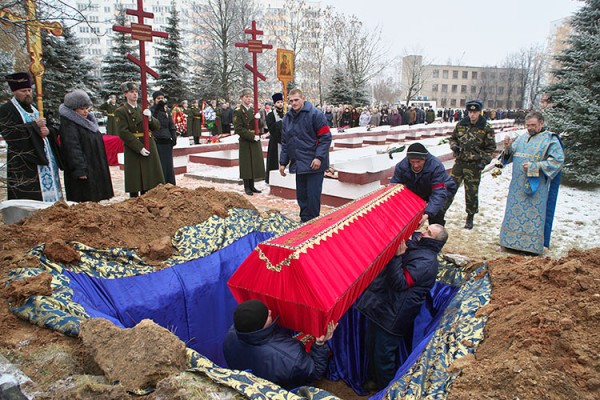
{"x":537,"y":158}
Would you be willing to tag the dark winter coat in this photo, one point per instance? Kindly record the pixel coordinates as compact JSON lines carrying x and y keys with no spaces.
{"x":274,"y":123}
{"x":166,"y":133}
{"x":432,"y":184}
{"x":141,"y":173}
{"x":274,"y":355}
{"x":346,"y":119}
{"x":252,"y":165}
{"x":25,"y":153}
{"x":305,"y":136}
{"x":394,"y":298}
{"x":84,"y":154}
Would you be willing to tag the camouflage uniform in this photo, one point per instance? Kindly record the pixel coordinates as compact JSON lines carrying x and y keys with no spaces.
{"x":473,"y":146}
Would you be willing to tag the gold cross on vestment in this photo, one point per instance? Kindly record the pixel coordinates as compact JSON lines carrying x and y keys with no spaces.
{"x":33,"y":30}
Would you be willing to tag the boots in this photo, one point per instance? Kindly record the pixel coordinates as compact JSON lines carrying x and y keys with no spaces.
{"x":469,"y":223}
{"x":252,"y":188}
{"x":248,"y":187}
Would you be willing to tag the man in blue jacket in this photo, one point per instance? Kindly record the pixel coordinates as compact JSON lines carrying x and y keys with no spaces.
{"x":255,"y":343}
{"x":305,"y":141}
{"x":426,"y":176}
{"x":394,"y":298}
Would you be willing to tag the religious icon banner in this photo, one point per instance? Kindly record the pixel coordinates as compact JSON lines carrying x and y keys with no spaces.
{"x":314,"y":274}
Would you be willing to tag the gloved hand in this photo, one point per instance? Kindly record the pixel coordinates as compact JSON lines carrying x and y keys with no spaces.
{"x":144,"y":152}
{"x":257,"y":115}
{"x":173,"y":142}
{"x":256,"y":138}
{"x":147,"y":113}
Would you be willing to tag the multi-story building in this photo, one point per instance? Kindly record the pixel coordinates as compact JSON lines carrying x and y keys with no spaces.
{"x":452,"y":86}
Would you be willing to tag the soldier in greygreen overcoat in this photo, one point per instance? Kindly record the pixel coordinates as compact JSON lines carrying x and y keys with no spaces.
{"x":109,"y":109}
{"x":195,"y":121}
{"x":142,"y":167}
{"x":252,"y":164}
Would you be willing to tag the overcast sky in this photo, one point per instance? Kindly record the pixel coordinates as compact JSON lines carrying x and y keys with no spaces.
{"x":465,"y":32}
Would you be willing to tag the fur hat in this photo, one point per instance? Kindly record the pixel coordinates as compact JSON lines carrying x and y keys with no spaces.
{"x":418,"y":151}
{"x":127,"y":86}
{"x":77,"y":99}
{"x":245,"y":92}
{"x":474,"y":105}
{"x":156,"y":94}
{"x":19,"y":80}
{"x":250,"y":316}
{"x":277,"y":97}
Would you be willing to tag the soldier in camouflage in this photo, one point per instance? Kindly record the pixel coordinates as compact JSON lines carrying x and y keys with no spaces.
{"x":473,"y":144}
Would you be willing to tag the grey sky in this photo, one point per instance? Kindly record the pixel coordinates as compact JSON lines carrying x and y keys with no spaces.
{"x":466,"y":32}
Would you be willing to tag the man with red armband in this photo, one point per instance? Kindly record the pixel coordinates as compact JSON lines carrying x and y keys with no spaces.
{"x":305,"y":141}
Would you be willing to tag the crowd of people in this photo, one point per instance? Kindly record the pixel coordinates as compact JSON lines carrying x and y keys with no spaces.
{"x":300,"y":143}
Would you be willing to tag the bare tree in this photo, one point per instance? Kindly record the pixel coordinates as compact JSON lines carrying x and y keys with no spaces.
{"x":385,"y":92}
{"x":414,"y":75}
{"x":364,"y":56}
{"x":221,"y":24}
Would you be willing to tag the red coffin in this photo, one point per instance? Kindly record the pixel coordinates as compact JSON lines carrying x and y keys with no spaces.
{"x":313,"y":274}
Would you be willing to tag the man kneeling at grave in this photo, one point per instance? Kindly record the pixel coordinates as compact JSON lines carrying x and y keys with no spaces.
{"x":255,"y":343}
{"x":394,"y":298}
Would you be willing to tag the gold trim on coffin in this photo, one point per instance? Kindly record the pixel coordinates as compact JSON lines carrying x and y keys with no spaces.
{"x":329,"y":231}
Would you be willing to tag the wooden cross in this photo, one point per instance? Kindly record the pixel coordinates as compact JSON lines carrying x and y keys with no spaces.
{"x":33,"y":30}
{"x":254,"y":46}
{"x":143,"y":33}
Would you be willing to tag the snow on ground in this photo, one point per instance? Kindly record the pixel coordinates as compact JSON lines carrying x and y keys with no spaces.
{"x":576,"y":219}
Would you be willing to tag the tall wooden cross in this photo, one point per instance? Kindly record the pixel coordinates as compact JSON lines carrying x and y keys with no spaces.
{"x":254,"y":46}
{"x":33,"y":30}
{"x":143,"y":33}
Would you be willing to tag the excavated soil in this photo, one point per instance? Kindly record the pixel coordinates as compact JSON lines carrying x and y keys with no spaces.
{"x":541,"y":340}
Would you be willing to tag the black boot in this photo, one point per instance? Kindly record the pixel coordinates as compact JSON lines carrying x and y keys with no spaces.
{"x":254,"y":190}
{"x":469,"y":223}
{"x":247,"y":187}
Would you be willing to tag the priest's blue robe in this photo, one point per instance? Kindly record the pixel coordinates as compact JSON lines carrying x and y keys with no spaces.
{"x":532,"y":193}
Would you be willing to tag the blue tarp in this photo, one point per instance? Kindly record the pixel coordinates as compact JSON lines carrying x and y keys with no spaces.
{"x":192,"y":299}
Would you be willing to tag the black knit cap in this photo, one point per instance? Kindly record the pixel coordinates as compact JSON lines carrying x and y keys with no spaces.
{"x":417,"y":150}
{"x":250,"y":316}
{"x":156,"y":94}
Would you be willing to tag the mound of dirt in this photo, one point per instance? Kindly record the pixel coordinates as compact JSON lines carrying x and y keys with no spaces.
{"x":132,"y":223}
{"x":541,"y":339}
{"x":137,"y":358}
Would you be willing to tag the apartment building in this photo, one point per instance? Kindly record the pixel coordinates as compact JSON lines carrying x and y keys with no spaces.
{"x":451,"y":86}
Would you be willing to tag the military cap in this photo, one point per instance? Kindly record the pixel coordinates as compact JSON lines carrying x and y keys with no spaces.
{"x":127,"y":86}
{"x":245,"y":92}
{"x":474,"y":105}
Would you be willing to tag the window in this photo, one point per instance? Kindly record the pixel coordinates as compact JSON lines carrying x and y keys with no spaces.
{"x":490,"y":103}
{"x":454,"y":74}
{"x":434,"y":87}
{"x":465,"y":75}
{"x":499,"y":103}
{"x":473,"y":89}
{"x":463,"y":88}
{"x":436,"y":73}
{"x":453,"y":102}
{"x":493,"y":75}
{"x":500,"y":90}
{"x":107,"y":9}
{"x":474,"y":75}
{"x":454,"y":88}
{"x":463,"y":102}
{"x":445,"y":74}
{"x":444,"y":88}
